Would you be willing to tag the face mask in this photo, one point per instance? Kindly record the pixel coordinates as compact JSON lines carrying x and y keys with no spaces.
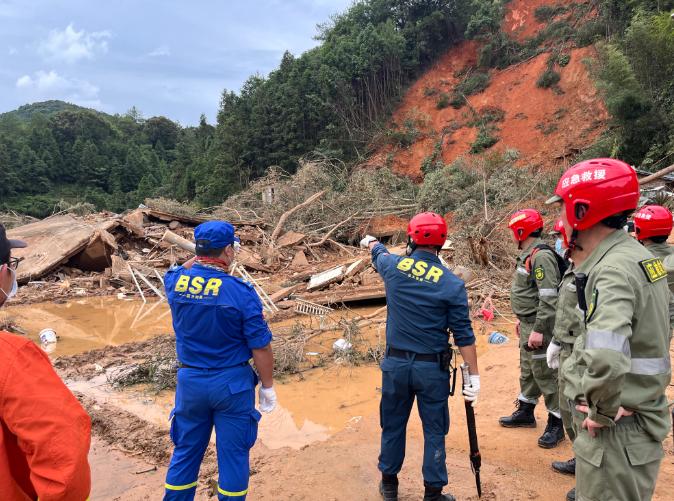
{"x":15,"y":286}
{"x":559,"y":247}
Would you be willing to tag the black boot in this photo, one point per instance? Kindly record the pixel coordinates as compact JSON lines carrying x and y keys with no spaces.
{"x":571,"y":495}
{"x":553,"y":434}
{"x":565,"y":467}
{"x":523,"y":417}
{"x":435,"y":494}
{"x":388,"y":487}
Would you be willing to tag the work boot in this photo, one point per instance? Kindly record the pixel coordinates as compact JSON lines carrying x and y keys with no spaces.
{"x":388,"y":487}
{"x":523,"y":417}
{"x":553,"y":434}
{"x":571,"y":495}
{"x":435,"y":494}
{"x":565,"y":467}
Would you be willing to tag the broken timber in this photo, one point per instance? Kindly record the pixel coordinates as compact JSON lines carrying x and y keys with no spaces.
{"x":267,"y":303}
{"x":344,"y":296}
{"x":326,"y":278}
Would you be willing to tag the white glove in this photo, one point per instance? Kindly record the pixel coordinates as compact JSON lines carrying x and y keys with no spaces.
{"x":552,"y":355}
{"x":267,"y":399}
{"x":471,"y":392}
{"x":365,"y":242}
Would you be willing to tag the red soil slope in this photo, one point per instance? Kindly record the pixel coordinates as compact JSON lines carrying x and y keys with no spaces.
{"x":520,"y":22}
{"x":547,"y":127}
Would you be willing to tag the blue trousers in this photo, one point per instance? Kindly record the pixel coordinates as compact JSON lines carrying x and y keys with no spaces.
{"x":224,"y":398}
{"x":402,"y":380}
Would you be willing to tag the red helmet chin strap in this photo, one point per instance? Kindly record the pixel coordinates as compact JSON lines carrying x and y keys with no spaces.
{"x":213,"y":261}
{"x":573,"y":245}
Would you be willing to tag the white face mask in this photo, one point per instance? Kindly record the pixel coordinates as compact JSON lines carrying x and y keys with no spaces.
{"x":15,"y":286}
{"x":559,"y":246}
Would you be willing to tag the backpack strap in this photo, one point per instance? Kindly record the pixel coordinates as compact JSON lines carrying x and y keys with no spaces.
{"x":528,"y":261}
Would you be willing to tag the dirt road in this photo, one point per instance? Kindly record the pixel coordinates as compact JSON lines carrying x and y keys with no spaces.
{"x":339,"y":458}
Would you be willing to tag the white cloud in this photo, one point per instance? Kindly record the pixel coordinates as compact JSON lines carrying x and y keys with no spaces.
{"x":24,"y":81}
{"x":71,"y":46}
{"x":160,"y":51}
{"x":51,"y":85}
{"x":12,"y":51}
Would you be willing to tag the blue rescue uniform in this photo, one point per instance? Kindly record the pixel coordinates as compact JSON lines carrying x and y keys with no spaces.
{"x":217,"y":320}
{"x":425,"y":300}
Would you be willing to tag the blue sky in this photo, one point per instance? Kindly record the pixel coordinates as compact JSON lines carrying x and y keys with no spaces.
{"x":169,"y":57}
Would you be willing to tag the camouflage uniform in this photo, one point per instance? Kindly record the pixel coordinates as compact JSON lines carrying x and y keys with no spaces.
{"x":620,"y":358}
{"x":567,"y":327}
{"x":534,"y":299}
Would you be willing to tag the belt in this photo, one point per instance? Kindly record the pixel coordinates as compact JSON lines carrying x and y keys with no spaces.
{"x":185,"y":366}
{"x":419,"y":357}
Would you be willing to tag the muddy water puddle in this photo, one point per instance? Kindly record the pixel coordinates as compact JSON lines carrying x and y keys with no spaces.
{"x":319,"y":404}
{"x":311,"y":407}
{"x":91,"y":323}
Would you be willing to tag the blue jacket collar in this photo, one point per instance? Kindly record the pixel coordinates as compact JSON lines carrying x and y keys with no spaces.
{"x":428,"y":256}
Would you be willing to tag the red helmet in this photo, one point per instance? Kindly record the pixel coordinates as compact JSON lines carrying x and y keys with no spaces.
{"x":652,"y":221}
{"x":428,"y":228}
{"x":559,"y":229}
{"x":605,"y":186}
{"x":524,"y":222}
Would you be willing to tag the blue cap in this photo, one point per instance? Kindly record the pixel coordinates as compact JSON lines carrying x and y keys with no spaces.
{"x":214,"y":235}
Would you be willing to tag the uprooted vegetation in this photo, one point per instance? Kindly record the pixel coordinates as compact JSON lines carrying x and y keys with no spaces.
{"x":479,"y":193}
{"x":350,"y":198}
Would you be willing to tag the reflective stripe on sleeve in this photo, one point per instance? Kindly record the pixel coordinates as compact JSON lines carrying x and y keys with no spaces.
{"x":232,"y":494}
{"x":607,"y":340}
{"x":548,"y":292}
{"x":180,"y":487}
{"x":522,"y":271}
{"x":538,"y":356}
{"x":650,"y":366}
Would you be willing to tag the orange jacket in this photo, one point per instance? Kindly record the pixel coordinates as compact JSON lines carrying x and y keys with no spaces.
{"x":44,"y":431}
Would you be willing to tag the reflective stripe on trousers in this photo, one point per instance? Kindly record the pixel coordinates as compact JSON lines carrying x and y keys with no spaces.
{"x":180,"y":487}
{"x":232,"y":494}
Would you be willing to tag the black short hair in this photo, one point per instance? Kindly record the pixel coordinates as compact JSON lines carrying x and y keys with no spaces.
{"x":4,"y":257}
{"x":209,"y":252}
{"x":660,"y":239}
{"x":536,"y":233}
{"x":617,"y":221}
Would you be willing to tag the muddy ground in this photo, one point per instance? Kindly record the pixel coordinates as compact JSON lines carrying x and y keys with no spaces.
{"x":323,"y":441}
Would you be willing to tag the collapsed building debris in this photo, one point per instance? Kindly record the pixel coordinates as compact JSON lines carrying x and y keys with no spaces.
{"x":300,"y":248}
{"x":51,"y":242}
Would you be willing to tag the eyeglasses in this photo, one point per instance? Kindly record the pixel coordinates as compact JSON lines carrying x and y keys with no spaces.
{"x":14,"y":262}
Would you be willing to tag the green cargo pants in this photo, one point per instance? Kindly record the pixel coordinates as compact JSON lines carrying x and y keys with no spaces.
{"x":620,"y":463}
{"x":536,"y":378}
{"x":567,"y":416}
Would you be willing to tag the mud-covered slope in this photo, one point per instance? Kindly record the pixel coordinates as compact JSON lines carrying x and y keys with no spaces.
{"x":547,"y":126}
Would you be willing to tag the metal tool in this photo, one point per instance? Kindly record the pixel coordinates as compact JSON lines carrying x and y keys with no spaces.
{"x":475,"y":458}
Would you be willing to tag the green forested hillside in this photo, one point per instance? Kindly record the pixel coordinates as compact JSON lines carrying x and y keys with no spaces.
{"x":52,"y":151}
{"x":334,"y":99}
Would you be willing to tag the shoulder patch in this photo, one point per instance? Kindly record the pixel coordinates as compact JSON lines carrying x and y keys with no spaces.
{"x":654,"y":269}
{"x":539,"y":273}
